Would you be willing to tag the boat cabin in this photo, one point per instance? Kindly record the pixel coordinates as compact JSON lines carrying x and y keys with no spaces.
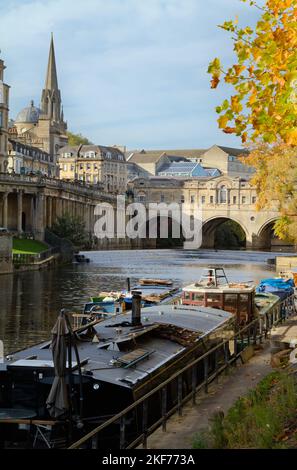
{"x":214,"y":290}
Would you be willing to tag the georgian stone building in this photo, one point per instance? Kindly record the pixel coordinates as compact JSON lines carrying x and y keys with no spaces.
{"x":94,"y":164}
{"x":27,"y":160}
{"x":43,"y":127}
{"x":4,"y":103}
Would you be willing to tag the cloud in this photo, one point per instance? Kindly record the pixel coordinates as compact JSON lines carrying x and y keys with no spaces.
{"x":130,"y":71}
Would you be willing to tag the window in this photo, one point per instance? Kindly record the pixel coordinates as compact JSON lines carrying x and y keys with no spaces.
{"x":222,"y":195}
{"x":72,"y":167}
{"x":243,"y":199}
{"x":192,"y":199}
{"x":65,"y":167}
{"x":203,"y":199}
{"x":187,"y":296}
{"x":211,"y":199}
{"x":1,"y":118}
{"x":254,"y":200}
{"x":95,"y":180}
{"x":88,"y":166}
{"x":162,"y":198}
{"x":81,"y":167}
{"x":95,"y":166}
{"x":198,"y":297}
{"x":88,"y":178}
{"x":234,"y":199}
{"x":67,"y":155}
{"x":182,"y":199}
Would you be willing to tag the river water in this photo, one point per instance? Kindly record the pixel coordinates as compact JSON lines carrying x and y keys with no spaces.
{"x":30,"y":302}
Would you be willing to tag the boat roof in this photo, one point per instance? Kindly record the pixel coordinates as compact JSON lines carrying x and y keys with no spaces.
{"x":125,"y":355}
{"x":231,"y":288}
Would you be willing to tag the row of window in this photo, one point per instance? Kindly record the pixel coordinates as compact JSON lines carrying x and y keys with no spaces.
{"x":142,"y":198}
{"x":92,"y":154}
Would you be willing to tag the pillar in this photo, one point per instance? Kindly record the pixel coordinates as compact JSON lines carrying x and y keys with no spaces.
{"x":39,"y":217}
{"x":20,"y":212}
{"x":5,"y":210}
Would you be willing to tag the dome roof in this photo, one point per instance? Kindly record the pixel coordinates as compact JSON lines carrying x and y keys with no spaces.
{"x":30,"y":114}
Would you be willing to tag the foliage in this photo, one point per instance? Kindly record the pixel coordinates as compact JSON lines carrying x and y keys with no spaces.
{"x":275,"y":181}
{"x":72,"y":228}
{"x":258,"y":419}
{"x":77,"y":139}
{"x":28,"y":247}
{"x":263,"y":107}
{"x":264,"y":76}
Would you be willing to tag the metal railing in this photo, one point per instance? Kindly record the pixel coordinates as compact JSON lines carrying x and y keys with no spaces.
{"x":211,"y":364}
{"x":25,"y":259}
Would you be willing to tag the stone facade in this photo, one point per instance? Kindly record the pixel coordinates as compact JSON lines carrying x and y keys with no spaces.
{"x":4,"y":108}
{"x":94,"y":164}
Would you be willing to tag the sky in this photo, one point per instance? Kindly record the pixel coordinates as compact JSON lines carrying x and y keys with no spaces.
{"x":131,"y":72}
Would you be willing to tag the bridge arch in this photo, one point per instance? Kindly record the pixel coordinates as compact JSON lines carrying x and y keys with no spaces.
{"x":210,"y":226}
{"x":266,"y":237}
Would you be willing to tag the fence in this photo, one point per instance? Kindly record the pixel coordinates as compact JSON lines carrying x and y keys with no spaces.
{"x":24,"y":259}
{"x":251,"y":334}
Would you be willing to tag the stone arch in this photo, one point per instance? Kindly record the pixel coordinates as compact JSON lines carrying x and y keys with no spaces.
{"x":210,"y":226}
{"x":265,"y":237}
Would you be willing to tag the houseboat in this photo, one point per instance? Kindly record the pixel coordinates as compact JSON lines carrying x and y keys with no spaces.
{"x":153,"y":291}
{"x":117,"y":361}
{"x":215,"y":291}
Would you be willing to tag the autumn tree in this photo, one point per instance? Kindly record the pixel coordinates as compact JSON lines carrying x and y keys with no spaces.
{"x":77,"y":139}
{"x":263,"y":107}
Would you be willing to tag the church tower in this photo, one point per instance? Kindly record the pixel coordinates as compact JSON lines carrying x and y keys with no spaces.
{"x":51,"y":95}
{"x":51,"y":119}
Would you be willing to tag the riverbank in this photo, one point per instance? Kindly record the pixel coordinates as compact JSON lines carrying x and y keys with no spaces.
{"x":191,"y":429}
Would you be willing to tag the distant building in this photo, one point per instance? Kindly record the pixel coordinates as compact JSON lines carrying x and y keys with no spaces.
{"x":43,"y":127}
{"x":25,"y":159}
{"x":188,"y":170}
{"x":94,"y":164}
{"x":225,"y":159}
{"x":136,"y":171}
{"x":4,"y":103}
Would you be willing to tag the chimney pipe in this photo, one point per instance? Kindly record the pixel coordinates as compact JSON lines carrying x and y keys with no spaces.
{"x":136,"y":308}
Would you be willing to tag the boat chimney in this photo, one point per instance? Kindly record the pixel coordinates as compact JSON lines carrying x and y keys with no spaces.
{"x":128,"y":284}
{"x":136,"y":308}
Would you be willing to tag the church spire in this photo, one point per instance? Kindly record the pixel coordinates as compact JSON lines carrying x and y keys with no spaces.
{"x":51,"y":81}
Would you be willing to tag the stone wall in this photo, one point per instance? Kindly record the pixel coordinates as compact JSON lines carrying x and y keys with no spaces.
{"x":6,"y":266}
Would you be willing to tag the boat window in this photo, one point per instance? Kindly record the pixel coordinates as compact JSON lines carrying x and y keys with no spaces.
{"x":214,"y":298}
{"x":198,"y":297}
{"x":243,"y":303}
{"x":187,"y":295}
{"x":230,"y":302}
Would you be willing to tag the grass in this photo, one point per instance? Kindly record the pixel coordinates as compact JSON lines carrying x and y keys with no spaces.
{"x":28,"y":247}
{"x":265,"y":418}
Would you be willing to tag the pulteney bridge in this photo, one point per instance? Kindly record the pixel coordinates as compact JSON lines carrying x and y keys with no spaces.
{"x":220,"y":199}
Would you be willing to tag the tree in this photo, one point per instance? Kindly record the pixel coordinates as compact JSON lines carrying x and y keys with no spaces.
{"x":72,"y":228}
{"x":77,"y":139}
{"x":263,"y":108}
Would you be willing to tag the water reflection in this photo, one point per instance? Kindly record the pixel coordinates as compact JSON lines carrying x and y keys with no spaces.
{"x":30,"y":302}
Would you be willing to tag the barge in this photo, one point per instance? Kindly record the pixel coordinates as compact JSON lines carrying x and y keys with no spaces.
{"x":111,"y":363}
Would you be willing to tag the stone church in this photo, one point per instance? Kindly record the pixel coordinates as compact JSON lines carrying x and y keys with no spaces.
{"x":44,"y":127}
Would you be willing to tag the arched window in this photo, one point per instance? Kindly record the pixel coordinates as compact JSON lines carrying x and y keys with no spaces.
{"x":222,"y":196}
